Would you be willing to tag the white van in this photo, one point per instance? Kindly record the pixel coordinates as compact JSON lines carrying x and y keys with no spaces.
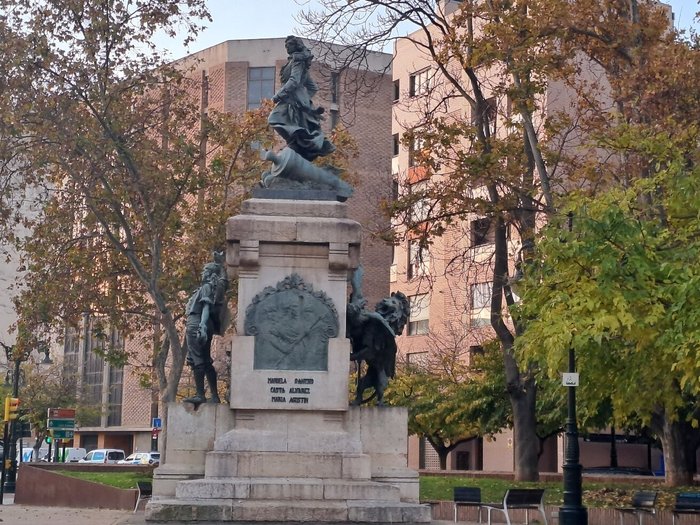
{"x":28,"y":454}
{"x":103,"y":455}
{"x":72,"y":454}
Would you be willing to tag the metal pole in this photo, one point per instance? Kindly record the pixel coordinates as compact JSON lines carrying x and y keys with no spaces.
{"x":11,"y":476}
{"x":572,"y":512}
{"x":4,"y":459}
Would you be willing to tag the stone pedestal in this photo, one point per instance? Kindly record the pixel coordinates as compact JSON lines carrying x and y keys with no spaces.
{"x":289,"y":449}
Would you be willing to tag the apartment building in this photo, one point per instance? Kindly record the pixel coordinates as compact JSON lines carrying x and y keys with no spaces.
{"x":450,"y":306}
{"x":236,"y":76}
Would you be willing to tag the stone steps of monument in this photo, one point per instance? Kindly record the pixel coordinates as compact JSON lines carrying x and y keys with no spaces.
{"x":300,"y":489}
{"x":282,"y":464}
{"x":353,"y":511}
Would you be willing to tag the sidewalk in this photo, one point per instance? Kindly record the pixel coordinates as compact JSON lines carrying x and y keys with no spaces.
{"x":11,"y":514}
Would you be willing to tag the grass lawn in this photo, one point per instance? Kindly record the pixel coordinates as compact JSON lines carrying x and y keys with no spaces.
{"x":433,"y":488}
{"x":595,"y":494}
{"x":121,"y":480}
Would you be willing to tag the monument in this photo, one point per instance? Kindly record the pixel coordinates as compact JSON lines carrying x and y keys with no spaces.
{"x":289,"y":448}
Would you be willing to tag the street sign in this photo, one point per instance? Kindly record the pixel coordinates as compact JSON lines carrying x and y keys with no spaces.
{"x":61,"y":423}
{"x":61,"y":413}
{"x":157,"y":423}
{"x":62,"y":434}
{"x":570,"y":379}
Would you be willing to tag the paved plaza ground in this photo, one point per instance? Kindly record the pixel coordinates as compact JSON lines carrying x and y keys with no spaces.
{"x":11,"y":514}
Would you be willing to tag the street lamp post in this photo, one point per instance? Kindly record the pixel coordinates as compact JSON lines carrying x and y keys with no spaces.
{"x":16,"y":359}
{"x":572,"y":512}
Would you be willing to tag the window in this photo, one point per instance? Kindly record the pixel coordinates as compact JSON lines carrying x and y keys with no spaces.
{"x":482,"y":232}
{"x":71,"y":349}
{"x":418,"y":319}
{"x":480,"y":302}
{"x":335,"y":118}
{"x":417,"y":145}
{"x":490,"y":111}
{"x":420,"y":209}
{"x":513,"y":112}
{"x":418,"y":260}
{"x":116,"y":386}
{"x":462,"y":460}
{"x":93,"y":378}
{"x":419,"y":83}
{"x":261,"y":85}
{"x":395,"y":138}
{"x":335,"y":87}
{"x":476,"y":350}
{"x":397,"y":90}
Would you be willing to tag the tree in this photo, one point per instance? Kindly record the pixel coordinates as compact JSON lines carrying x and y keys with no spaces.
{"x":115,"y":136}
{"x":453,"y":398}
{"x":620,"y":288}
{"x":49,"y":387}
{"x":510,"y":159}
{"x":445,"y":404}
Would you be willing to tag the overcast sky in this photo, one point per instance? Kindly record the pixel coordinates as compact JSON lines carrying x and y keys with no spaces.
{"x":243,"y":19}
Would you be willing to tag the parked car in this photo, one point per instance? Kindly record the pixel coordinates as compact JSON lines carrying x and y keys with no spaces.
{"x":141,"y":458}
{"x":103,"y":455}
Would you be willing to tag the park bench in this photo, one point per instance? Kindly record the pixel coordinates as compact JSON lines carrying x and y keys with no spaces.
{"x":467,"y":497}
{"x":643,"y":504}
{"x":145,"y":489}
{"x":518,"y":499}
{"x":686,"y":503}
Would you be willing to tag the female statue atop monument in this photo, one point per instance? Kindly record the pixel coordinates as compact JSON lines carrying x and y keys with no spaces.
{"x":294,"y":117}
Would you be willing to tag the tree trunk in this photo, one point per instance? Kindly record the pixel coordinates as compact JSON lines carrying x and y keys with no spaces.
{"x":442,"y":454}
{"x":525,"y":439}
{"x":520,"y":385}
{"x":676,"y":458}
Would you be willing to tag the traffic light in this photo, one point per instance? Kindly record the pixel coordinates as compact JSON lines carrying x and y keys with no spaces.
{"x":25,"y":429}
{"x":11,"y":408}
{"x":48,"y":439}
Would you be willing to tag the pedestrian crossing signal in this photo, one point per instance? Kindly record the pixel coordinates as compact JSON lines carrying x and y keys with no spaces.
{"x":11,"y":408}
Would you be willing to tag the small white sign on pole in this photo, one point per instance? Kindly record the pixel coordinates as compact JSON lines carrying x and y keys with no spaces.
{"x":570,"y":379}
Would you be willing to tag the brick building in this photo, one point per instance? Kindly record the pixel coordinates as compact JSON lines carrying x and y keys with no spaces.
{"x":236,"y":76}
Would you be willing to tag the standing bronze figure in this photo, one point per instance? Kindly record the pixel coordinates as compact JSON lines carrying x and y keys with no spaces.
{"x":207,"y":316}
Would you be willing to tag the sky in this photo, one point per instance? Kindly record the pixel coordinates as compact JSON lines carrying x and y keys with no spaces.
{"x":244,"y":19}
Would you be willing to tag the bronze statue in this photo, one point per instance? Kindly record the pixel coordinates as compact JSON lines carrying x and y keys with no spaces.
{"x":298,"y":122}
{"x":373,"y":338}
{"x":294,"y":117}
{"x":207,"y":315}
